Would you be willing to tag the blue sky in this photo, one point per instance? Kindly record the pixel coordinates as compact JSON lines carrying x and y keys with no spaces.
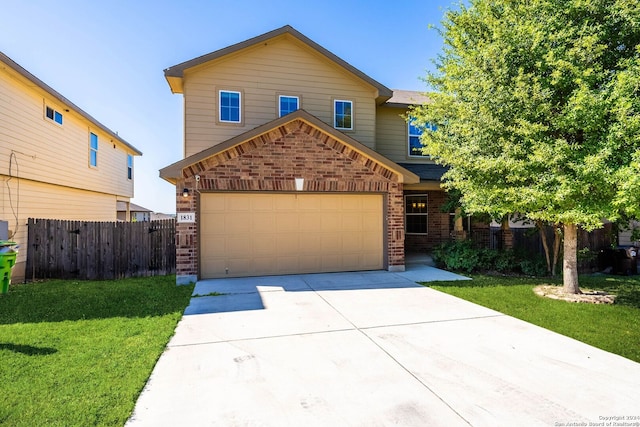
{"x":108,"y":56}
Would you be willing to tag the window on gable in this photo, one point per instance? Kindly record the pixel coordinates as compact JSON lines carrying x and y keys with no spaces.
{"x":343,"y":114}
{"x":288,"y":104}
{"x":53,"y":115}
{"x":230,"y":111}
{"x":129,"y":166}
{"x":416,"y":216}
{"x":416,"y":149}
{"x":93,"y":149}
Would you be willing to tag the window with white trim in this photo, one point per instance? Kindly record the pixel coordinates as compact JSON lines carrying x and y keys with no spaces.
{"x":287,"y":104}
{"x":415,"y":132}
{"x":416,"y":216}
{"x":53,"y":115}
{"x":229,"y":104}
{"x":93,"y":149}
{"x":343,"y":114}
{"x":129,"y":166}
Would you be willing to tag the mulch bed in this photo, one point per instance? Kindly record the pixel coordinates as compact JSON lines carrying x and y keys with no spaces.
{"x":587,"y":295}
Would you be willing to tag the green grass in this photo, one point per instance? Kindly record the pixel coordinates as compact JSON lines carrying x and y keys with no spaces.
{"x":79,"y":353}
{"x":614,"y":328}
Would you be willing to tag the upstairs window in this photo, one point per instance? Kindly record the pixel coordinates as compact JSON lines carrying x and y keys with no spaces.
{"x":287,"y":104}
{"x":415,"y":208}
{"x":343,"y":114}
{"x":53,"y":115}
{"x":230,"y":111}
{"x":129,"y":166}
{"x":93,"y":149}
{"x":416,"y":149}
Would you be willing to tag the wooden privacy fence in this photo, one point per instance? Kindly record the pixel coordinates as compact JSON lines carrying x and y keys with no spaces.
{"x":528,"y":240}
{"x":99,"y":250}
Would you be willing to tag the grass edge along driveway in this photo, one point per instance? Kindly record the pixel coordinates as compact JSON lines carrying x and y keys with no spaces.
{"x":78,"y":353}
{"x":614,"y":328}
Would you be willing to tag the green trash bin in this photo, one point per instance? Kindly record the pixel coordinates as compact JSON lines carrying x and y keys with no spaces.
{"x":8,"y":254}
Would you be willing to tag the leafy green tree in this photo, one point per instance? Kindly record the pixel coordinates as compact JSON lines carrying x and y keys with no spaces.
{"x":537,"y":107}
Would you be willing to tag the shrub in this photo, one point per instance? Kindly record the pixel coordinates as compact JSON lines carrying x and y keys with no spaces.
{"x":457,"y":255}
{"x":506,"y":261}
{"x":487,"y":258}
{"x":535,"y":266}
{"x":462,"y":255}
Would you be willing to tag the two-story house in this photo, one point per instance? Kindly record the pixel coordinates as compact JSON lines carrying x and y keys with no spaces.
{"x":133,"y":213}
{"x":56,"y":161}
{"x":297,"y":162}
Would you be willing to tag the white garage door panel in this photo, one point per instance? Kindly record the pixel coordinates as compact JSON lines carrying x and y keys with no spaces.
{"x":248,"y":234}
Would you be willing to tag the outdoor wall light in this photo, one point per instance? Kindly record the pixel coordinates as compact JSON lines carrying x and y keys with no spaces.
{"x":299,"y":184}
{"x":186,"y":191}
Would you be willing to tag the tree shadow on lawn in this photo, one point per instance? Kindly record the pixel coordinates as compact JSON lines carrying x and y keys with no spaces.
{"x":28,"y":350}
{"x":60,"y":300}
{"x":626,"y":288}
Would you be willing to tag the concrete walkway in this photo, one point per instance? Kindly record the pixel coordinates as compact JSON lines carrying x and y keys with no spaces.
{"x":373,"y":349}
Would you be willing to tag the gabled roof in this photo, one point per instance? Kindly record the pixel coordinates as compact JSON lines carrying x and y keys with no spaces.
{"x":173,"y":172}
{"x":426,"y":171}
{"x":175,"y":74}
{"x":122,"y":207}
{"x":406,"y":98}
{"x":57,"y":96}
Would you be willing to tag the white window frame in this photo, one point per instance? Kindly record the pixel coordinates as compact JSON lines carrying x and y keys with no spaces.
{"x":425,"y":213}
{"x":93,"y":150}
{"x":297,"y":98}
{"x":335,"y":122}
{"x":410,"y":135}
{"x":54,"y":115}
{"x":129,"y":167}
{"x":428,"y":127}
{"x":220,"y":92}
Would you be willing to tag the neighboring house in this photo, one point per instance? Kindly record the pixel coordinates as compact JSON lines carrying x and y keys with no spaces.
{"x":131,"y":212}
{"x":56,"y":161}
{"x":297,"y":162}
{"x":626,"y":234}
{"x":159,"y":216}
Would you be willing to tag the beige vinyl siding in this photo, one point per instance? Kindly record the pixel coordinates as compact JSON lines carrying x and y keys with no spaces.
{"x":33,"y":199}
{"x":283,"y":65}
{"x":51,"y":153}
{"x":392,"y":134}
{"x":624,"y":235}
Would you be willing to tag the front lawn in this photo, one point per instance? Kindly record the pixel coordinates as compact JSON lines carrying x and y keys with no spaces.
{"x":614,"y":328}
{"x":79,"y":353}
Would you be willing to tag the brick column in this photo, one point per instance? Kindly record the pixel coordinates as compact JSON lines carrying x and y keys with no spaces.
{"x":395,"y":227}
{"x":507,"y":235}
{"x":186,"y":234}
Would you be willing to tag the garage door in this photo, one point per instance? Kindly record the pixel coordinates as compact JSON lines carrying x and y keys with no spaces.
{"x":249,"y":234}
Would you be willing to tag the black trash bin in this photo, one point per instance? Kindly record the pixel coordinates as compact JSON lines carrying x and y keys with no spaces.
{"x":621,"y":260}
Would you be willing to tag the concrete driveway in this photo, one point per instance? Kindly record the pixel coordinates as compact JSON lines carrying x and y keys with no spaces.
{"x":374,"y":349}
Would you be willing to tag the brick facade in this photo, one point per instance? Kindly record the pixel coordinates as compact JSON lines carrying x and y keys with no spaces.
{"x":271,"y":162}
{"x":438,"y":228}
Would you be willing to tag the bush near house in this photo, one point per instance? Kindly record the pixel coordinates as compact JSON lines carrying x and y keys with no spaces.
{"x":465,"y":256}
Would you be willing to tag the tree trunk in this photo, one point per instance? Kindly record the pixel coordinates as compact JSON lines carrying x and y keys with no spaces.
{"x":545,"y":245}
{"x":570,"y":262}
{"x":557,"y":240}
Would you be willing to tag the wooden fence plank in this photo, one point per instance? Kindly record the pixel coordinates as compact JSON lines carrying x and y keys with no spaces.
{"x":99,"y":250}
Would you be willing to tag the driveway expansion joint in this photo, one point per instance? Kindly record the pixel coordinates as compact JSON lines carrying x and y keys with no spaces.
{"x":426,"y":322}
